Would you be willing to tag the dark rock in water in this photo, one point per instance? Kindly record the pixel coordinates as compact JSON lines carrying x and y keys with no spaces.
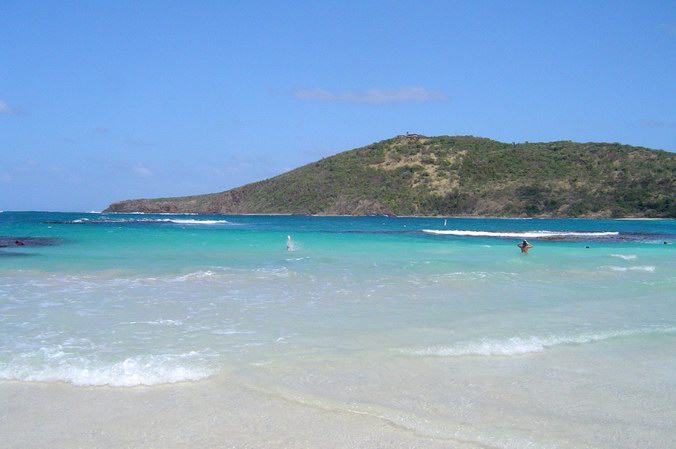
{"x":12,"y":241}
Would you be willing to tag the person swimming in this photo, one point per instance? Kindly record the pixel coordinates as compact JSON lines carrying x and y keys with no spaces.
{"x":525,"y":246}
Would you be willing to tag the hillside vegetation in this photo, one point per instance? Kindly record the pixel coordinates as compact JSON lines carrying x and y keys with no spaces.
{"x":456,"y":176}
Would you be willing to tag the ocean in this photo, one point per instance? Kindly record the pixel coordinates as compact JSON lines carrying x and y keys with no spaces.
{"x":437,"y":332}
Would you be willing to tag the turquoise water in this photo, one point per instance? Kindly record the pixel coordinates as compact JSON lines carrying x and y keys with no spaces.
{"x":451,"y":333}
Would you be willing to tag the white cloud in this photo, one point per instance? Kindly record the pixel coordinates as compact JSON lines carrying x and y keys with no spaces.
{"x":657,"y":124}
{"x":142,"y":171}
{"x":6,"y":108}
{"x":374,"y":96}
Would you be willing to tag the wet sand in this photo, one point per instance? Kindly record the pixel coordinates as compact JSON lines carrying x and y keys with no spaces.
{"x":207,"y":414}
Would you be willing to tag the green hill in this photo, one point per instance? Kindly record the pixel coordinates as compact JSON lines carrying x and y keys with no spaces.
{"x":417,"y":175}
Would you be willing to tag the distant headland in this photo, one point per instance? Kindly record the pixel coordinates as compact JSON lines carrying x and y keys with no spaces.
{"x":413,"y":174}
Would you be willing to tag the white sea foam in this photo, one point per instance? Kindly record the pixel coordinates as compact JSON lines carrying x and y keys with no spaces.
{"x":624,"y":256}
{"x":182,"y":221}
{"x":195,"y":275}
{"x":156,"y":322}
{"x":231,"y":332}
{"x":46,"y":304}
{"x":185,"y":221}
{"x":525,"y":345}
{"x":521,"y":234}
{"x":198,"y":222}
{"x":647,"y":268}
{"x":132,"y":371}
{"x":266,"y":273}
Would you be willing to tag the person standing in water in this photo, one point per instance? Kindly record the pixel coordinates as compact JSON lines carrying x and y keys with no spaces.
{"x":525,"y":246}
{"x":289,"y":243}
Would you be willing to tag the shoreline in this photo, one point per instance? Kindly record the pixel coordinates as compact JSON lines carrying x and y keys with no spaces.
{"x":478,"y":217}
{"x":219,"y":412}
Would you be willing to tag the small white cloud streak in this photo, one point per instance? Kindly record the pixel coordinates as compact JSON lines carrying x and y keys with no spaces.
{"x":374,"y":96}
{"x":657,"y":124}
{"x":6,"y":108}
{"x":142,"y":171}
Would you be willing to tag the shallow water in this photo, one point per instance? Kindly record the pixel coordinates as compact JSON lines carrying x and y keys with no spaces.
{"x":452,"y":334}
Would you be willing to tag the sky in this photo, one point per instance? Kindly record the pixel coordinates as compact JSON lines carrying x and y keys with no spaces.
{"x":105,"y":101}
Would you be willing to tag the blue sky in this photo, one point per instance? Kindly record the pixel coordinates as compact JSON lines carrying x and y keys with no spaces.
{"x":103,"y":101}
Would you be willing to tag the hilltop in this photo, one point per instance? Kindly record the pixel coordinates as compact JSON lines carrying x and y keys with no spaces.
{"x":460,"y":175}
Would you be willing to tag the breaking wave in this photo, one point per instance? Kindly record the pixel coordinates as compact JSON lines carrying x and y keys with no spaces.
{"x":197,"y":222}
{"x":624,"y":256}
{"x":647,"y":268}
{"x":526,"y":345}
{"x":130,"y":372}
{"x":524,"y":234}
{"x":181,"y":221}
{"x":190,"y":276}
